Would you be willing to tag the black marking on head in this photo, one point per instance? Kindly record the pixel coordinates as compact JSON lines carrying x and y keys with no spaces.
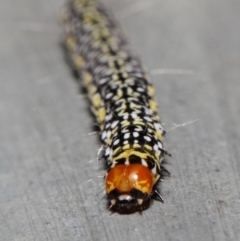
{"x":127,"y":201}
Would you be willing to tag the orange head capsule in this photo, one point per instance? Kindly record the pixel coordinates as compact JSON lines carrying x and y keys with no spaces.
{"x":129,"y":185}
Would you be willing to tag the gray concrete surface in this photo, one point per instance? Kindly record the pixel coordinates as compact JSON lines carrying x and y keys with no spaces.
{"x":51,"y":186}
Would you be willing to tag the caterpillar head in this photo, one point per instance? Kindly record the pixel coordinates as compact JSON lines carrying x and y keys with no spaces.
{"x":129,"y":186}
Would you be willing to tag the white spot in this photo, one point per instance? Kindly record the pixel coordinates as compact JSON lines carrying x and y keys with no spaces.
{"x":103,"y":81}
{"x":116,"y":142}
{"x":113,"y":164}
{"x":134,"y":115}
{"x":109,"y":95}
{"x":150,"y":112}
{"x":147,"y":118}
{"x":104,"y":135}
{"x":127,"y":135}
{"x":144,"y":163}
{"x":158,"y":126}
{"x":114,"y":124}
{"x":127,"y":162}
{"x":109,"y":134}
{"x":108,"y":117}
{"x":147,"y":138}
{"x":160,"y":145}
{"x":140,"y":89}
{"x":107,"y":125}
{"x":155,"y":147}
{"x":140,"y":201}
{"x":125,"y":197}
{"x":107,"y":151}
{"x":154,"y":170}
{"x":135,"y":134}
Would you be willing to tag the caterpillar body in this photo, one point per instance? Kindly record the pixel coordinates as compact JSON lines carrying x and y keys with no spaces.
{"x":122,"y":100}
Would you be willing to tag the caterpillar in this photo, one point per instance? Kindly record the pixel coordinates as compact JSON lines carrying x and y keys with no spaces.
{"x":122,"y":100}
